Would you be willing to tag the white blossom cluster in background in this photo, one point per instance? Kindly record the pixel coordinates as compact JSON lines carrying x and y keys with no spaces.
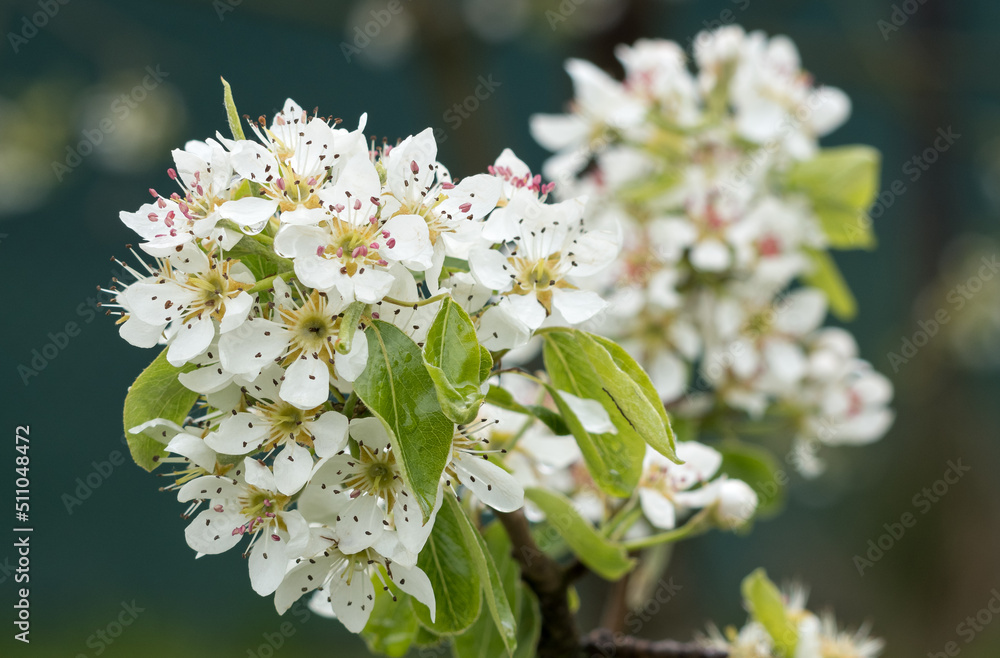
{"x":279,"y":453}
{"x":724,"y":281}
{"x":817,"y":636}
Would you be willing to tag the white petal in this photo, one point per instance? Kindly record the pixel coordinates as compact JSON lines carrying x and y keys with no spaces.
{"x":490,"y":268}
{"x":209,"y":487}
{"x":353,"y":602}
{"x":361,"y":523}
{"x":292,"y":467}
{"x":415,"y":582}
{"x":658,"y":510}
{"x":577,"y":306}
{"x":491,"y":484}
{"x":267,"y":563}
{"x":248,"y":211}
{"x":237,"y":309}
{"x":258,"y":475}
{"x":303,"y":578}
{"x":191,"y":340}
{"x":139,"y":333}
{"x":307,"y":383}
{"x":252,"y":345}
{"x":238,"y":435}
{"x":211,"y":532}
{"x":350,"y":366}
{"x":590,"y":413}
{"x":194,"y":448}
{"x":329,"y":432}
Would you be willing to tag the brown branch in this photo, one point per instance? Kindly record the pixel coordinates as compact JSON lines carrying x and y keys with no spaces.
{"x":602,"y":642}
{"x":550,"y":583}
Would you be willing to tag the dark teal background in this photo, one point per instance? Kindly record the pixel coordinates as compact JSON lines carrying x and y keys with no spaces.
{"x":125,"y":541}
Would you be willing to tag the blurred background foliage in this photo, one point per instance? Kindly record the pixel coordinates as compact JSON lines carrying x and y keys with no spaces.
{"x":79,"y":80}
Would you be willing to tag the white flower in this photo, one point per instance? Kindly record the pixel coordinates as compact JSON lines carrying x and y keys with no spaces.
{"x":471,"y":466}
{"x":663,"y":488}
{"x":299,"y":156}
{"x":344,"y":580}
{"x":351,"y":248}
{"x":301,"y":336}
{"x":201,"y":295}
{"x":266,"y":427}
{"x":601,"y":105}
{"x":535,"y":276}
{"x":247,"y":506}
{"x":364,"y":496}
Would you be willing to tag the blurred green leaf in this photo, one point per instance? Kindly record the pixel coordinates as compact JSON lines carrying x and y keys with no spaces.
{"x":842,"y":183}
{"x":155,"y":393}
{"x":763,"y":599}
{"x":758,"y":468}
{"x":396,"y":387}
{"x":392,"y":627}
{"x":826,"y":276}
{"x":607,"y":559}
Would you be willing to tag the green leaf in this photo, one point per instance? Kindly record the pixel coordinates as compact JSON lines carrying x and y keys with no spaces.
{"x":485,"y":363}
{"x":493,"y":589}
{"x":624,"y":376}
{"x":586,"y":368}
{"x":449,"y":560}
{"x":392,"y":627}
{"x":842,"y":183}
{"x":604,"y":557}
{"x":261,"y":260}
{"x":454,"y":359}
{"x":231,"y":113}
{"x":396,"y":387}
{"x":764,"y":602}
{"x":758,"y":468}
{"x":155,"y":393}
{"x":827,"y":277}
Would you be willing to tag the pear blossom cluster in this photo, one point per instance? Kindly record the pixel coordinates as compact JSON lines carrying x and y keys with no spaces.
{"x":818,"y":636}
{"x":262,"y":274}
{"x":714,"y":292}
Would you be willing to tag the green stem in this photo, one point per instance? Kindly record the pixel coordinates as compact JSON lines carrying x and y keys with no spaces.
{"x":266,"y":284}
{"x":697,"y":525}
{"x":352,"y":401}
{"x":616,"y":525}
{"x":422,"y":302}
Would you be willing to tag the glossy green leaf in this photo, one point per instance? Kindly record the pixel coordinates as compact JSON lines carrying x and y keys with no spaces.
{"x":493,"y":590}
{"x":842,"y":183}
{"x":758,"y":468}
{"x":826,"y":276}
{"x":261,"y":260}
{"x":579,"y":365}
{"x":231,"y":113}
{"x":450,"y":562}
{"x":454,"y":357}
{"x":604,"y":557}
{"x":396,"y":387}
{"x":485,"y":363}
{"x":392,"y":627}
{"x":624,"y":379}
{"x":156,"y":393}
{"x":762,"y":598}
